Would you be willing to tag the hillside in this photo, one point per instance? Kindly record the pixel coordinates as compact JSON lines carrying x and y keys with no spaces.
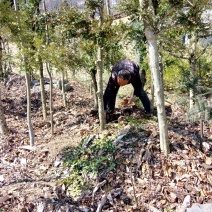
{"x":125,"y":169}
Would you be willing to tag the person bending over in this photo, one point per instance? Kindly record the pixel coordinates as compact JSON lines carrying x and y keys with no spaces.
{"x":123,"y":73}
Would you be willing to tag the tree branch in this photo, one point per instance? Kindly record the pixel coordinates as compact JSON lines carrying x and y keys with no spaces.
{"x":175,"y":55}
{"x":168,"y":12}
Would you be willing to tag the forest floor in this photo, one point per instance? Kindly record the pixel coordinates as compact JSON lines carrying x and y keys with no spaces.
{"x":141,"y":177}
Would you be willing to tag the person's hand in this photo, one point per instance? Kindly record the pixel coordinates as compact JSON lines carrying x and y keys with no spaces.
{"x":131,"y":100}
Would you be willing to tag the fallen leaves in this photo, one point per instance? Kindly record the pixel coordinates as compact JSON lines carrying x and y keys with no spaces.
{"x":144,"y":179}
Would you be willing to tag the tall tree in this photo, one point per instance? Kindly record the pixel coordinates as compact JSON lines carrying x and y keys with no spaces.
{"x":106,"y":39}
{"x":27,"y":75}
{"x":49,"y":73}
{"x":193,"y":27}
{"x":151,"y":36}
{"x":155,"y":16}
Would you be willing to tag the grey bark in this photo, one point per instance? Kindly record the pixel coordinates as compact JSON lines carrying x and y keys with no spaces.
{"x":100,"y":88}
{"x":42,"y":88}
{"x":153,"y":55}
{"x":3,"y":124}
{"x":27,"y":77}
{"x":63,"y":89}
{"x":1,"y":56}
{"x":99,"y":65}
{"x":50,"y":76}
{"x":158,"y":87}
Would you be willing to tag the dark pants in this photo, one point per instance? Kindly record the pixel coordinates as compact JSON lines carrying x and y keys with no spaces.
{"x":110,"y":107}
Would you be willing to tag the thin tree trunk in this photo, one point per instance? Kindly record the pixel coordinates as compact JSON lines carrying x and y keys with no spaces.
{"x":100,"y":88}
{"x":3,"y":125}
{"x":63,"y":89}
{"x":192,"y":77}
{"x":107,"y":3}
{"x":29,"y":121}
{"x":50,"y":76}
{"x":94,"y":85}
{"x":27,"y":77}
{"x":50,"y":98}
{"x":42,"y":88}
{"x":1,"y":57}
{"x":99,"y":65}
{"x":158,"y":86}
{"x":152,"y":93}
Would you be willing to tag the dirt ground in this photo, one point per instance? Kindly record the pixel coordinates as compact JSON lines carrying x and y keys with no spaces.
{"x":144,"y":179}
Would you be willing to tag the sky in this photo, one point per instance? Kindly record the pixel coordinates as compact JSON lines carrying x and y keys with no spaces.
{"x":54,"y":4}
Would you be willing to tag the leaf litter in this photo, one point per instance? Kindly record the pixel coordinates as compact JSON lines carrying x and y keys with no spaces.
{"x":143,"y":179}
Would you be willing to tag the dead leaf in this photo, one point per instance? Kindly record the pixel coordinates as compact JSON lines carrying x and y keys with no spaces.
{"x":3,"y":199}
{"x":123,"y":102}
{"x":203,"y":192}
{"x":31,"y":148}
{"x":159,"y":188}
{"x":208,"y":160}
{"x":130,"y":189}
{"x":173,"y":197}
{"x":1,"y":178}
{"x":141,"y":181}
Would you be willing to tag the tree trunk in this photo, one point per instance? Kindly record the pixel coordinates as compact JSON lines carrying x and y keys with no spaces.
{"x":192,"y":61}
{"x":100,"y":88}
{"x":50,"y":76}
{"x":1,"y":57}
{"x":99,"y":65}
{"x":107,"y":3}
{"x":94,"y":85}
{"x":50,"y":98}
{"x":158,"y":86}
{"x":42,"y":89}
{"x":152,"y":93}
{"x":63,"y":89}
{"x":29,"y":121}
{"x":3,"y":124}
{"x":27,"y":77}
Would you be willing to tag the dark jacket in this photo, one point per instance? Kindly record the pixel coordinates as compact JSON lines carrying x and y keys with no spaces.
{"x":112,"y":88}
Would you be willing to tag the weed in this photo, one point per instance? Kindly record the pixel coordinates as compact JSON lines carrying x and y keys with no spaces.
{"x":132,"y":120}
{"x":90,"y":160}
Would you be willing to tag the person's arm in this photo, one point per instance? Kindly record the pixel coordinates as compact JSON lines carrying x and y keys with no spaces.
{"x":139,"y":92}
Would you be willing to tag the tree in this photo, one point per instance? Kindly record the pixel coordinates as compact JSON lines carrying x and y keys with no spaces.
{"x":3,"y":124}
{"x":6,"y":20}
{"x":189,"y":35}
{"x":26,"y":67}
{"x":151,"y":36}
{"x":156,"y":17}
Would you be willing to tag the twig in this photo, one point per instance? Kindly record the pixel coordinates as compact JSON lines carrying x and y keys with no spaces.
{"x":101,"y":203}
{"x":133,"y":185}
{"x":98,"y":186}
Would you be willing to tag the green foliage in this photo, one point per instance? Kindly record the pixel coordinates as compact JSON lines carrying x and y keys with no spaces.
{"x":132,"y":120}
{"x":96,"y":157}
{"x":176,"y":73}
{"x":7,"y":18}
{"x":93,"y":4}
{"x":203,"y":107}
{"x":75,"y":183}
{"x":88,"y":159}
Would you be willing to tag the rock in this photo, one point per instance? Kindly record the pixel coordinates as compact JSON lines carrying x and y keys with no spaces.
{"x":59,"y":83}
{"x":200,"y":208}
{"x":68,"y":87}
